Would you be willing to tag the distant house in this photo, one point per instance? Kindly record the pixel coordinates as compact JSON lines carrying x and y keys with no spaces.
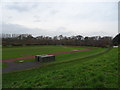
{"x":115,"y":46}
{"x":116,"y":40}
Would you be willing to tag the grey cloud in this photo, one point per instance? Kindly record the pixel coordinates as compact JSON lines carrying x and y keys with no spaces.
{"x":59,"y":31}
{"x":36,"y":18}
{"x":100,"y":33}
{"x":54,"y":12}
{"x":21,"y":7}
{"x":14,"y":28}
{"x":19,"y":29}
{"x":10,"y":17}
{"x":63,"y":31}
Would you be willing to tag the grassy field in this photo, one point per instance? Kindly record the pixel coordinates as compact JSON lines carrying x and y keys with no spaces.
{"x":14,"y":52}
{"x":93,"y":72}
{"x":3,"y":65}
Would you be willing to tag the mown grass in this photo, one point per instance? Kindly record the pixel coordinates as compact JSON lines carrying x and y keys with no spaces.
{"x":75,"y":55}
{"x":95,"y":72}
{"x":3,"y":65}
{"x":14,"y":52}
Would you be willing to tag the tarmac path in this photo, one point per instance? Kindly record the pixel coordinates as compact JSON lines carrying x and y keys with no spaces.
{"x":12,"y":66}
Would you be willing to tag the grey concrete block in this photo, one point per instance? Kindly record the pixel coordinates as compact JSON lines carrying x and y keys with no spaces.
{"x":45,"y":58}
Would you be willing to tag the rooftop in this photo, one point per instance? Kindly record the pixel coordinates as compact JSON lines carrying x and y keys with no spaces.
{"x":44,"y":55}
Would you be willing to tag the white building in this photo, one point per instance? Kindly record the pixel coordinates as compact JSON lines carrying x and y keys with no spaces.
{"x":115,"y":46}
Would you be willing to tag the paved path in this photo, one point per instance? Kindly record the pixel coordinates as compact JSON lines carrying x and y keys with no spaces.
{"x":12,"y":66}
{"x":19,"y":66}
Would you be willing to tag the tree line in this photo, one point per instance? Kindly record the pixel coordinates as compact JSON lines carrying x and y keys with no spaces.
{"x":28,"y":39}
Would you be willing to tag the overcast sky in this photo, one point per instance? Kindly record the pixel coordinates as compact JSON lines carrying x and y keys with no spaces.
{"x":56,"y":18}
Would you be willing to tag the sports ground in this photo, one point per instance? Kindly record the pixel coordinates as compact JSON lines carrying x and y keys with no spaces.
{"x":74,"y":66}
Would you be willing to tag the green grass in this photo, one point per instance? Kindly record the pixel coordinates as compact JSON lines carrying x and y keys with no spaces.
{"x":14,"y":52}
{"x":3,"y":65}
{"x":75,"y":55}
{"x":93,"y":72}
